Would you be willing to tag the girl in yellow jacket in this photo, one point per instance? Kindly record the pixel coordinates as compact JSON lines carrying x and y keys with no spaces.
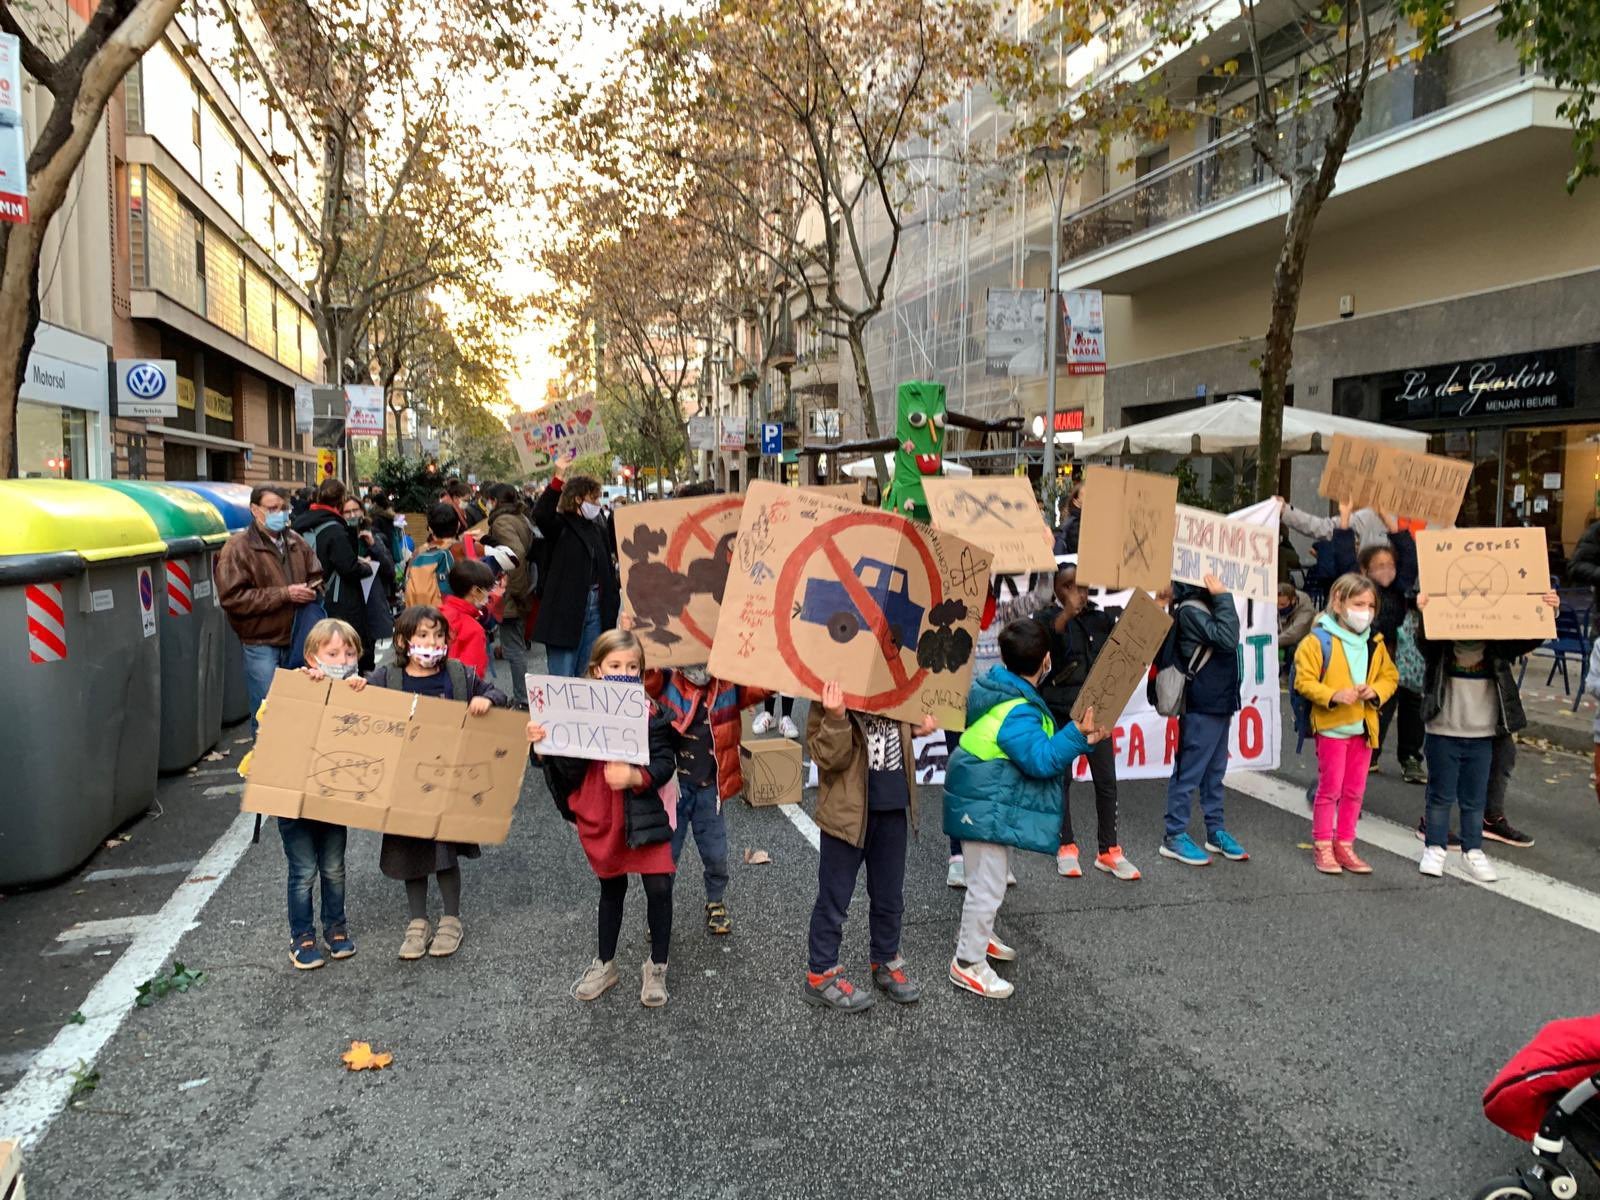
{"x":1344,"y":670}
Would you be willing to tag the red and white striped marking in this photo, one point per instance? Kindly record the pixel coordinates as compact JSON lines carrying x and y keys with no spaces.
{"x":180,"y":591}
{"x":47,"y":623}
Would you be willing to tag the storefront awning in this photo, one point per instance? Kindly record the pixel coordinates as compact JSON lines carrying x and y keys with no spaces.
{"x":1235,"y":424}
{"x":174,"y":434}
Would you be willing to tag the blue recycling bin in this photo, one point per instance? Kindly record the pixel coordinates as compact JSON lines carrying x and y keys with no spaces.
{"x":232,"y":500}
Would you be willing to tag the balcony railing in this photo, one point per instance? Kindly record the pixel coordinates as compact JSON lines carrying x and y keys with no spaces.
{"x":1471,"y":64}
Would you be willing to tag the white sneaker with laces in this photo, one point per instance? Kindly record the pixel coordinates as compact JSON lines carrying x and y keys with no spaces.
{"x":1001,"y":952}
{"x":1011,"y":879}
{"x":788,"y":728}
{"x":980,"y":980}
{"x":1479,"y":866}
{"x":762,"y":724}
{"x":1432,"y":861}
{"x":956,"y":877}
{"x":1067,"y":862}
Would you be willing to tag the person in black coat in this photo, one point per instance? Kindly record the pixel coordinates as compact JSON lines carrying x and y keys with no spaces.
{"x":581,"y":594}
{"x":1583,"y":568}
{"x":324,"y":527}
{"x":1067,"y":535}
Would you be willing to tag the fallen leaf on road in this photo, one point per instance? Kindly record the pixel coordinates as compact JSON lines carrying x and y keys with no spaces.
{"x":216,"y":756}
{"x":199,"y":878}
{"x":361,"y":1058}
{"x":193,"y":1083}
{"x":756,"y":858}
{"x":1304,"y":846}
{"x":113,"y":842}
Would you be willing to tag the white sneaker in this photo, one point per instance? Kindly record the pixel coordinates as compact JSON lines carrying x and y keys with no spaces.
{"x":1479,"y":866}
{"x":788,"y":728}
{"x":1001,"y":952}
{"x":1067,"y":862}
{"x":1011,"y":879}
{"x":1432,"y":861}
{"x":981,"y":980}
{"x":762,"y":724}
{"x":956,"y":877}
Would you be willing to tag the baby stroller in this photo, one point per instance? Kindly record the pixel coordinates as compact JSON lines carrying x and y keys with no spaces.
{"x":1547,"y":1095}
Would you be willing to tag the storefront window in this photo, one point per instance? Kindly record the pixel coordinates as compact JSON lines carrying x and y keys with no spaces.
{"x":52,"y":443}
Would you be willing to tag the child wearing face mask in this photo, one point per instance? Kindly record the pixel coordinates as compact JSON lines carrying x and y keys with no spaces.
{"x":424,"y":668}
{"x":1003,"y":788}
{"x":621,"y":816}
{"x":471,"y":581}
{"x":1343,"y":668}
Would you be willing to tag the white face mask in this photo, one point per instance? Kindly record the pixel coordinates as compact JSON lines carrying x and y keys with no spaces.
{"x":427,"y":656}
{"x":337,"y":670}
{"x":1358,"y":619}
{"x":589,"y":510}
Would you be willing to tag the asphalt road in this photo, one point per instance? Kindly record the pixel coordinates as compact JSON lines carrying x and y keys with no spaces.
{"x":1242,"y":1030}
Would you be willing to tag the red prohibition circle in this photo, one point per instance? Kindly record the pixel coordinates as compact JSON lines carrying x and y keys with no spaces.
{"x":695,"y":527}
{"x":789,"y":581}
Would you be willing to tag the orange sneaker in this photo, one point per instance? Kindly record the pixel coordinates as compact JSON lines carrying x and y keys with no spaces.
{"x":1323,"y":858}
{"x":1067,"y":861}
{"x":1114,"y":862}
{"x":1344,"y":853}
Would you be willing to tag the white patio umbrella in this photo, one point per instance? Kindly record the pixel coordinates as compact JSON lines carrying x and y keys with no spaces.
{"x":1235,"y":424}
{"x":862,"y":468}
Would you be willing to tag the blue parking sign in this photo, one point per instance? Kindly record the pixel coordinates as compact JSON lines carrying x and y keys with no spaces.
{"x":771,"y":438}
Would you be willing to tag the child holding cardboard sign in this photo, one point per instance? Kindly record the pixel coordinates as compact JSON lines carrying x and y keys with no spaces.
{"x":624,"y":818}
{"x":421,"y":643}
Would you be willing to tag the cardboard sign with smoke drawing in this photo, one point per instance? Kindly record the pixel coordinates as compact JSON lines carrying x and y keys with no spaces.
{"x":999,"y":513}
{"x":822,"y":590}
{"x":675,"y":556}
{"x":1127,"y":533}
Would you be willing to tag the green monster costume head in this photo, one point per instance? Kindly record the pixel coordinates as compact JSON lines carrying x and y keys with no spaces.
{"x":919,"y":447}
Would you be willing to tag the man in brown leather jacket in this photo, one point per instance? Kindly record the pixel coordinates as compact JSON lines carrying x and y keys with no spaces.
{"x":264,"y":574}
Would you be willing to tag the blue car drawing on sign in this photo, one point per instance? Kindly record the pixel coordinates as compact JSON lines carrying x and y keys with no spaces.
{"x":826,"y":603}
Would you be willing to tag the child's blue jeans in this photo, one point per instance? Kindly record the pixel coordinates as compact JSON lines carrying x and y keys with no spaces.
{"x":698,"y":807}
{"x":314,"y":848}
{"x":1202,"y":760}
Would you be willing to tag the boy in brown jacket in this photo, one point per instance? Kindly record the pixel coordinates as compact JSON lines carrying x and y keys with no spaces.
{"x":867,"y":802}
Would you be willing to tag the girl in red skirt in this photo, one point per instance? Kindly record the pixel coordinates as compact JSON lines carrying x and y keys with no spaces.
{"x":622,"y":824}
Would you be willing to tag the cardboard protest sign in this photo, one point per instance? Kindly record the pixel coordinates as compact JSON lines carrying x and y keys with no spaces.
{"x":526,"y":434}
{"x":999,"y":513}
{"x":849,"y":492}
{"x":386,"y":760}
{"x":1403,"y":482}
{"x":821,"y":589}
{"x":1126,"y":536}
{"x":563,"y":431}
{"x":675,"y":556}
{"x":1485,"y":583}
{"x":1242,"y":555}
{"x":1124,"y":662}
{"x":591,"y":718}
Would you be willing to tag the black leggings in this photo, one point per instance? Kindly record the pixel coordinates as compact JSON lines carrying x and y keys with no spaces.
{"x":1407,"y":705}
{"x":1103,"y":771}
{"x":449,"y":893}
{"x":783,"y":705}
{"x":658,"y":912}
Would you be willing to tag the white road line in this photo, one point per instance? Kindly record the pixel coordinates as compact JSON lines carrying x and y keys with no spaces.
{"x":113,"y":929}
{"x":799,"y":818}
{"x":1532,"y":888}
{"x":135,"y":872}
{"x":226,"y":789}
{"x":28,"y":1108}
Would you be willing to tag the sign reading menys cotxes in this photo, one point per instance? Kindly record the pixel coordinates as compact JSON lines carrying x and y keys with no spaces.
{"x":1482,"y":389}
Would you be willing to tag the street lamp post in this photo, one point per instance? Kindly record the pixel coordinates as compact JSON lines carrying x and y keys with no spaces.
{"x":1063,"y":156}
{"x":338,"y":311}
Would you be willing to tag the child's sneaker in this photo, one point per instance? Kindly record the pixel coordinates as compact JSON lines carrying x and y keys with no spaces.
{"x":1422,"y":834}
{"x":832,"y":990}
{"x":1222,"y":842}
{"x":1011,"y":878}
{"x":1067,"y":861}
{"x":1323,"y":860}
{"x":1115,"y":862}
{"x":1185,"y":851}
{"x":980,"y":980}
{"x":891,"y":977}
{"x":763,"y":723}
{"x":1479,"y":866}
{"x":596,"y":981}
{"x":1503,"y":831}
{"x":305,"y":956}
{"x":717,"y":919}
{"x":1432,"y":861}
{"x":1001,"y":952}
{"x":415,"y":944}
{"x":447,"y":938}
{"x":340,"y":945}
{"x":956,"y":876}
{"x":1344,"y":853}
{"x":1412,"y":770}
{"x":788,"y":728}
{"x":653,"y":984}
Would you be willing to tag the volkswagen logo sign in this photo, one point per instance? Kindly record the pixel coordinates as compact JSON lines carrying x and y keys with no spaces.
{"x":146,"y":380}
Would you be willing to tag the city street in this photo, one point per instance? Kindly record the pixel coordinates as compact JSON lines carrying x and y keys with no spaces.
{"x":1241,"y":1030}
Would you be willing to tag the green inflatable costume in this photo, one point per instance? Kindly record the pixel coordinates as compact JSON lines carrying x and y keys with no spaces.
{"x":919,"y":447}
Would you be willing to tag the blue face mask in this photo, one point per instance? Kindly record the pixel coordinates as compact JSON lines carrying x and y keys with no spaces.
{"x":277,"y":522}
{"x":620,"y":678}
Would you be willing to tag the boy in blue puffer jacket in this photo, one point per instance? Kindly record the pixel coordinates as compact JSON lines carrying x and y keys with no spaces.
{"x":1002,"y":788}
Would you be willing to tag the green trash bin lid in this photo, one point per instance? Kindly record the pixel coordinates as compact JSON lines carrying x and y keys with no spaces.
{"x":52,"y":527}
{"x":186,"y":521}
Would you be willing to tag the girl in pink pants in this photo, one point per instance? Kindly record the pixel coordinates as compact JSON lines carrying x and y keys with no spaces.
{"x":1345,"y":672}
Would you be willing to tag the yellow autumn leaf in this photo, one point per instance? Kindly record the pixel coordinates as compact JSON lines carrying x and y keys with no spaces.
{"x":361,"y":1058}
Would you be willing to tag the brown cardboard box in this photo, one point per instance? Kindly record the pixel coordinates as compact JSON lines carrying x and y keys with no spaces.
{"x":386,"y":760}
{"x":11,"y":1184}
{"x":771,"y":771}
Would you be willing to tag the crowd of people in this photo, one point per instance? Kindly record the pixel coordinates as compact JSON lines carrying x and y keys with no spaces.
{"x":319,"y":580}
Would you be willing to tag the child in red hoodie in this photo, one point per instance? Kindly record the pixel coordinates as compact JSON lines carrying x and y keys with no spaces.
{"x":471,"y":580}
